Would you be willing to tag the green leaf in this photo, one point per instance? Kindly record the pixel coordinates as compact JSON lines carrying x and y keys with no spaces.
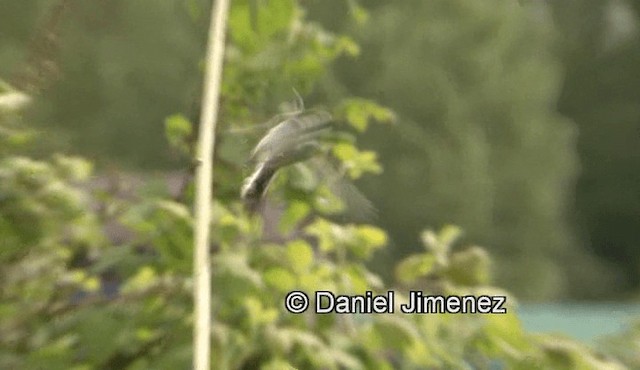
{"x":257,"y":314}
{"x":300,"y":255}
{"x":295,"y":212}
{"x":440,"y":244}
{"x":366,"y":239}
{"x":348,"y":46}
{"x":73,"y":168}
{"x":470,"y":267}
{"x":178,"y":130}
{"x":372,"y":236}
{"x":358,"y":12}
{"x":359,"y":112}
{"x":321,"y":277}
{"x":250,"y":31}
{"x":358,"y":279}
{"x":414,"y":267}
{"x":395,"y":332}
{"x":168,"y":225}
{"x":143,"y":279}
{"x":449,"y":234}
{"x":280,"y":279}
{"x":233,"y":271}
{"x":356,"y":162}
{"x":322,"y":230}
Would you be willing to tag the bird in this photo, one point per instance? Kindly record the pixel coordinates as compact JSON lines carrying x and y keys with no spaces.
{"x":296,"y":139}
{"x":298,"y":136}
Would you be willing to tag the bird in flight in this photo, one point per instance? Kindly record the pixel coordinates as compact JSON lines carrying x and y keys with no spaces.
{"x":300,"y":136}
{"x":293,"y":140}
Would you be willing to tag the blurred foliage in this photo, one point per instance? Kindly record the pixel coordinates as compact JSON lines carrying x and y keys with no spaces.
{"x":95,"y":277}
{"x":475,"y":91}
{"x":625,"y":346}
{"x":70,"y":299}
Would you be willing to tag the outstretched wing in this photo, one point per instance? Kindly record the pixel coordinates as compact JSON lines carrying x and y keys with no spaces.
{"x":357,"y":206}
{"x":290,"y":140}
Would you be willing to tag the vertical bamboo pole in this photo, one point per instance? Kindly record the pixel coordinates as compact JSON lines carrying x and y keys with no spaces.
{"x":204,"y":177}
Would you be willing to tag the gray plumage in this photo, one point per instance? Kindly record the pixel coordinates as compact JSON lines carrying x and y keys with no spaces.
{"x":293,"y":140}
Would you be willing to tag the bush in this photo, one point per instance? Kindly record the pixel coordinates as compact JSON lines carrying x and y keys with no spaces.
{"x":92,"y":278}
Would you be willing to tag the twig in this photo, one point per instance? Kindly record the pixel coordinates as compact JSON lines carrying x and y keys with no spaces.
{"x":204,"y":177}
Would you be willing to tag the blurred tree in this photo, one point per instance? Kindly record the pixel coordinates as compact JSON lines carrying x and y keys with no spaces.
{"x":479,"y":142}
{"x":115,"y":81}
{"x":600,"y":47}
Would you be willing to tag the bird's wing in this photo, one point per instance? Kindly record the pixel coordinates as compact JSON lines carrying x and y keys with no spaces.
{"x":357,"y":206}
{"x":285,"y":139}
